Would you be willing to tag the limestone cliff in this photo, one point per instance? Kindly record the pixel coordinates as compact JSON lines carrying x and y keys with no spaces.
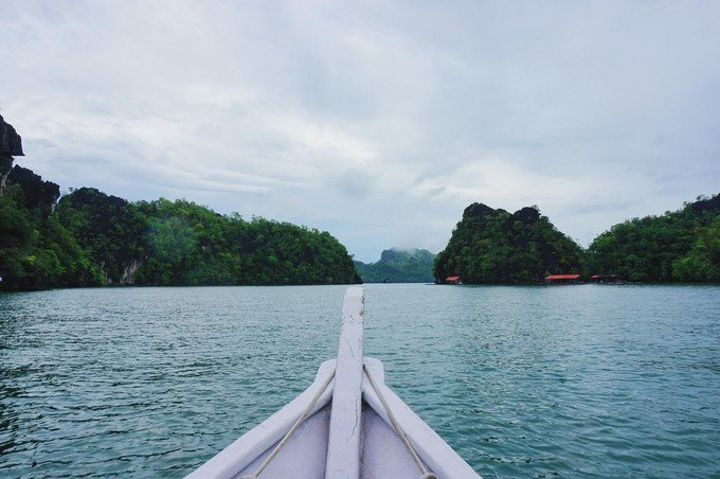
{"x":10,"y":146}
{"x":37,"y":193}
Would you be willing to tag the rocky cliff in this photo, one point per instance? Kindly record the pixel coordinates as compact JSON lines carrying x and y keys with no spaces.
{"x":38,"y":194}
{"x":10,"y":146}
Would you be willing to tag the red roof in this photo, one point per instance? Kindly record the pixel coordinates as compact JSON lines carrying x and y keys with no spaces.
{"x":555,"y":277}
{"x":450,"y":279}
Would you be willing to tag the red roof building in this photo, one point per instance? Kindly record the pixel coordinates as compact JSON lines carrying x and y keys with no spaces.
{"x":452,"y":279}
{"x":562,"y":277}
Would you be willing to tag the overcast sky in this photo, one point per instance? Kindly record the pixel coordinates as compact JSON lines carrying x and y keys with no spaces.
{"x":378,"y":121}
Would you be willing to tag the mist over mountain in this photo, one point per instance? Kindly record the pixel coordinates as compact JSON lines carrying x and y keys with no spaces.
{"x":398,"y":266}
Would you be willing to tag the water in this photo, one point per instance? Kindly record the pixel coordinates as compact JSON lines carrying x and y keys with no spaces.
{"x":580,"y":381}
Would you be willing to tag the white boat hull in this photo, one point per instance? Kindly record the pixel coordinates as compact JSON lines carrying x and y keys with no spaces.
{"x":374,"y":450}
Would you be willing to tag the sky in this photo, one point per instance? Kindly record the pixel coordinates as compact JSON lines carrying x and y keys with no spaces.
{"x":378,"y":121}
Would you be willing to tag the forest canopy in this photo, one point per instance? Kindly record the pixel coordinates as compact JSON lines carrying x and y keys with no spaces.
{"x":91,"y":238}
{"x":495,"y":247}
{"x":678,"y":246}
{"x":398,"y":266}
{"x":88,"y":238}
{"x":492,"y":246}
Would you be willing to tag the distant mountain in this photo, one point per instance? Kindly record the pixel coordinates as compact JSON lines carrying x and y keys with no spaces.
{"x":399,"y":266}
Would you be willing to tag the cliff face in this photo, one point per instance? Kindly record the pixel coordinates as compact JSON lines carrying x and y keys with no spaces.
{"x":10,"y":141}
{"x":10,"y":145}
{"x":38,"y":194}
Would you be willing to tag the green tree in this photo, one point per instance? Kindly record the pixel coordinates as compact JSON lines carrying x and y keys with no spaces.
{"x":495,"y":247}
{"x":108,"y":228}
{"x":675,"y":246}
{"x":35,"y":250}
{"x":702,"y":262}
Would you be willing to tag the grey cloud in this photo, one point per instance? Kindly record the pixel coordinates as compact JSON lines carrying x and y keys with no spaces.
{"x":354,"y":183}
{"x":401,"y":111}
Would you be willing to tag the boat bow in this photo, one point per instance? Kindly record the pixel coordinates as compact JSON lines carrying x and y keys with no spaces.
{"x":348,"y":424}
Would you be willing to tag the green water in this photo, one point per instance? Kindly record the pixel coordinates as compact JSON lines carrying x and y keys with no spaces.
{"x":581,"y":381}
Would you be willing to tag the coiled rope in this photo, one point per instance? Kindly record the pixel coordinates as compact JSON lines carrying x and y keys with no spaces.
{"x":398,"y":430}
{"x":295,"y":425}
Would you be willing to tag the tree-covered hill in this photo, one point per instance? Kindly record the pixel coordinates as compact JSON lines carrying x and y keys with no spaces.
{"x":189,"y":244}
{"x":679,"y":246}
{"x":492,"y":246}
{"x":96,"y":239}
{"x":399,"y":266}
{"x":91,"y":239}
{"x":35,"y":250}
{"x":109,"y":229}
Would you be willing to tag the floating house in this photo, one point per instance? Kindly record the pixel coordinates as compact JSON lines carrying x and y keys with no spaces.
{"x":562,"y":279}
{"x":453,"y":280}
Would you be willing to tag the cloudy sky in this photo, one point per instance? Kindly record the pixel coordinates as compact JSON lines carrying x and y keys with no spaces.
{"x":378,"y":121}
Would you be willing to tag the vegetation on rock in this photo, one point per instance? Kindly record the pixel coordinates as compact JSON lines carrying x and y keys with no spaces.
{"x":35,"y":250}
{"x":679,"y":246}
{"x":492,"y":246}
{"x":189,"y":244}
{"x":91,"y":238}
{"x":96,"y":239}
{"x":108,"y":228}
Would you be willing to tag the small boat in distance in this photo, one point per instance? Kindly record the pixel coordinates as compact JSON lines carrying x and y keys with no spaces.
{"x":347,"y":424}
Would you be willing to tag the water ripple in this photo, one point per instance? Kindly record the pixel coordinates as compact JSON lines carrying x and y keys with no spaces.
{"x":523,"y":382}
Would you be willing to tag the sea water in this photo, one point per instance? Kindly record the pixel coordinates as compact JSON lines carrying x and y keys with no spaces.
{"x":574,"y":381}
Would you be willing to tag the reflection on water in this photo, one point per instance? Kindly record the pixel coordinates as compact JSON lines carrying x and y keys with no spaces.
{"x":522,"y":382}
